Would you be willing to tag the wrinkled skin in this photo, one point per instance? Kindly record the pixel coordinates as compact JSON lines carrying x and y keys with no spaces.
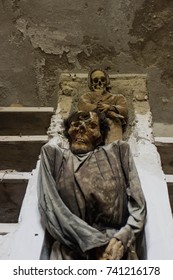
{"x":85,"y":134}
{"x":103,"y":107}
{"x":113,"y":251}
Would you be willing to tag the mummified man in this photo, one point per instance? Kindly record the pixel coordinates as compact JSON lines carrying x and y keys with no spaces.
{"x":113,"y":105}
{"x":90,"y":196}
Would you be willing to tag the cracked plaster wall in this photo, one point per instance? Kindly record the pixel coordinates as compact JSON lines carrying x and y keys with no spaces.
{"x":42,"y":39}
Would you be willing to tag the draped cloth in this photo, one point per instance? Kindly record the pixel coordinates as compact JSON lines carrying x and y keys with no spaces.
{"x":87,"y":199}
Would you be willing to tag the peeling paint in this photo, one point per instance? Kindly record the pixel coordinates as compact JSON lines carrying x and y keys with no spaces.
{"x":122,"y":37}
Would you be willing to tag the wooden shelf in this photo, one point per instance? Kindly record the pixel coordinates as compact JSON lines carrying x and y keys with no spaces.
{"x":13,"y":176}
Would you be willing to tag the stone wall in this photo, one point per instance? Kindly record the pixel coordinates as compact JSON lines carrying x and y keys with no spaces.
{"x":42,"y":39}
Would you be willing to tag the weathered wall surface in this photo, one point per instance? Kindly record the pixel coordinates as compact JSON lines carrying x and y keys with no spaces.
{"x":42,"y":39}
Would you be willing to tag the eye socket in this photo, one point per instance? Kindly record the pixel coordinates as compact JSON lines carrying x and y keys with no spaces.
{"x":92,"y":125}
{"x":87,"y":123}
{"x":103,"y":79}
{"x":95,"y":80}
{"x":75,"y":124}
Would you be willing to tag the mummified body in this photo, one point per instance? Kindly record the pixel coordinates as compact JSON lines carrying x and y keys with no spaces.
{"x":113,"y":105}
{"x":90,"y":196}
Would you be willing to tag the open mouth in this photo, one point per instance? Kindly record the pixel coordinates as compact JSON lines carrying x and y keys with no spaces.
{"x":99,"y":87}
{"x":80,"y":140}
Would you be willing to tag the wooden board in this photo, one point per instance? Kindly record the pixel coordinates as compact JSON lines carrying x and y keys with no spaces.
{"x":13,"y":176}
{"x":26,"y":138}
{"x":8,"y":227}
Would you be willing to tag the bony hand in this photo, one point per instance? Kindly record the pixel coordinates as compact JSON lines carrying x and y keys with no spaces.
{"x":103,"y":107}
{"x":113,"y":251}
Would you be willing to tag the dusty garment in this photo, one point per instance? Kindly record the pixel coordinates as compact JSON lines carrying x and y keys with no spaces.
{"x":87,"y":199}
{"x":117,"y":115}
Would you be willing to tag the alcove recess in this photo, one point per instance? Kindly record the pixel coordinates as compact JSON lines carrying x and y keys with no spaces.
{"x":165,"y":149}
{"x":23,"y":131}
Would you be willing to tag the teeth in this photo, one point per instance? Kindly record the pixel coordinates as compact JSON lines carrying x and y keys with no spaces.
{"x":80,"y":140}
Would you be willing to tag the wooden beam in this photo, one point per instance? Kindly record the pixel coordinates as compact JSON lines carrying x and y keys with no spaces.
{"x":7,"y":228}
{"x":163,"y":141}
{"x":13,"y":176}
{"x":169,"y":178}
{"x":25,"y":138}
{"x":27,"y":110}
{"x":112,"y":76}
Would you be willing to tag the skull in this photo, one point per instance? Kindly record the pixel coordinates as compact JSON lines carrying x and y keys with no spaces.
{"x":98,"y":80}
{"x":84,"y":133}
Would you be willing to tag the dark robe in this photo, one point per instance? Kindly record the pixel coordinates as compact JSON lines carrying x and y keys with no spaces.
{"x":87,"y":199}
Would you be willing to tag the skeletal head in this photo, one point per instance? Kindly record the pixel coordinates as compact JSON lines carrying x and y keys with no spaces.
{"x":98,"y":80}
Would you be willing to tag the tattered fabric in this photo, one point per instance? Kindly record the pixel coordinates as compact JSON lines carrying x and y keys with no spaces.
{"x":85,"y":200}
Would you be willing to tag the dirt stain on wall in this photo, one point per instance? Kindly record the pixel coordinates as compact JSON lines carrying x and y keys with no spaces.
{"x":153,"y":30}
